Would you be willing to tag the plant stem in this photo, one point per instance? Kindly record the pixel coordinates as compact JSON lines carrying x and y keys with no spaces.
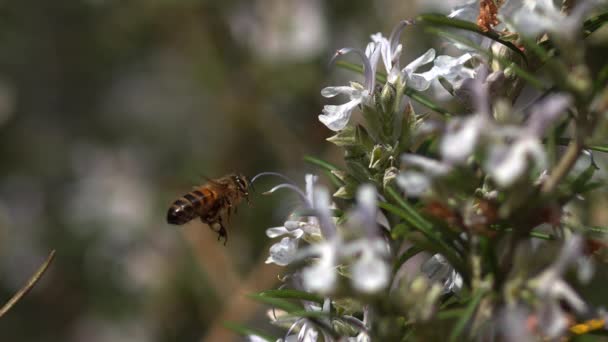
{"x":563,"y":167}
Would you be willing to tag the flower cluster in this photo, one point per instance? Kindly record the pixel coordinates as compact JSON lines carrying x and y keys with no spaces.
{"x":464,"y":219}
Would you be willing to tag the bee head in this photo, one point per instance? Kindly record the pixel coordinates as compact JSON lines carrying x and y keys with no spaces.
{"x":243,"y":184}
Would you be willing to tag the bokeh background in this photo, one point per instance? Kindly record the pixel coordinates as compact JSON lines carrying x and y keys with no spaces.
{"x":110,"y":110}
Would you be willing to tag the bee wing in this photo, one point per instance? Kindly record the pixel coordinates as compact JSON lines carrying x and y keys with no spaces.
{"x":210,"y":181}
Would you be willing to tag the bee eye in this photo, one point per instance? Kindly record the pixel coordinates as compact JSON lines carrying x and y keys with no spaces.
{"x":241,"y":184}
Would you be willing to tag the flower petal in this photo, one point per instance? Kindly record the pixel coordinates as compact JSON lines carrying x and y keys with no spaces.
{"x":414,"y":183}
{"x":506,"y":170}
{"x":329,"y":92}
{"x":427,"y":57}
{"x":320,"y":277}
{"x":419,"y":81}
{"x":428,"y":165}
{"x":284,"y":252}
{"x":337,"y":117}
{"x":438,"y":269}
{"x":276,"y":231}
{"x":461,"y":138}
{"x":370,"y":273}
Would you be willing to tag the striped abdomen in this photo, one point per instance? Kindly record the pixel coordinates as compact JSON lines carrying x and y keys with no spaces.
{"x":193,"y":204}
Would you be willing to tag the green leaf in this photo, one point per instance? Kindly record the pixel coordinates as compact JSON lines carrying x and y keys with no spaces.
{"x":414,"y":216}
{"x":583,"y":178}
{"x":321,"y":163}
{"x":602,"y":79}
{"x":425,"y":101}
{"x":466,"y":316}
{"x":599,"y":148}
{"x":593,"y":24}
{"x":246,"y":331}
{"x":450,"y":314}
{"x":308,"y":314}
{"x":345,"y":137}
{"x":533,"y":80}
{"x":442,"y":20}
{"x":596,"y":229}
{"x":291,"y":294}
{"x":278,"y":303}
{"x":411,"y":216}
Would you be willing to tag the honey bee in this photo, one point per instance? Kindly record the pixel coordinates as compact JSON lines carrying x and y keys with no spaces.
{"x":213,"y":202}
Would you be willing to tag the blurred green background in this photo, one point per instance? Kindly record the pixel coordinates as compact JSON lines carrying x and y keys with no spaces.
{"x":110,"y":110}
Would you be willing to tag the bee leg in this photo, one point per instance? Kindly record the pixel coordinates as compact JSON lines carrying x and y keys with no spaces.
{"x":222,"y":233}
{"x":230,"y":208}
{"x":212,"y":225}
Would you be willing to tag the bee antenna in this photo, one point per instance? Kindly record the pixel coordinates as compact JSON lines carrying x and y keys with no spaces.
{"x":276,"y":174}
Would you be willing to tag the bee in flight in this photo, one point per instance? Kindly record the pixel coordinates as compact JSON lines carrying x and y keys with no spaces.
{"x":213,"y":202}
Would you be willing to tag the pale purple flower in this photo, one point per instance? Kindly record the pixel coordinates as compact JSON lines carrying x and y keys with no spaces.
{"x":539,"y":16}
{"x":337,"y":117}
{"x":438,"y":269}
{"x":307,"y":331}
{"x":370,"y":270}
{"x":284,"y":252}
{"x":419,"y":173}
{"x":552,"y":290}
{"x":321,"y":275}
{"x":461,"y":137}
{"x":507,"y":162}
{"x":390,"y":51}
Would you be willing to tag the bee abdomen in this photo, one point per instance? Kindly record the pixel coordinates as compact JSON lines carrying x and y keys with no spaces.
{"x":191,"y":205}
{"x":181,"y":212}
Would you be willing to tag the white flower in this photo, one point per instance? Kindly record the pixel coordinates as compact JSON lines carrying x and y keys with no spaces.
{"x":370,"y":272}
{"x":461,"y":137}
{"x":506,"y":165}
{"x":414,"y":183}
{"x":284,"y":252}
{"x":337,"y":117}
{"x":507,"y":162}
{"x":419,"y":81}
{"x":453,"y":70}
{"x":552,"y":290}
{"x":321,"y":276}
{"x":438,"y":269}
{"x":390,"y":51}
{"x":418,"y":180}
{"x":538,"y":16}
{"x":255,"y":338}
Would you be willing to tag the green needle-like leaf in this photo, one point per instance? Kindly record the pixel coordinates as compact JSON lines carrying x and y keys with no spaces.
{"x":278,"y":303}
{"x":593,"y":24}
{"x":246,"y":331}
{"x":466,"y":316}
{"x":292,"y":294}
{"x":321,"y":163}
{"x":442,"y":20}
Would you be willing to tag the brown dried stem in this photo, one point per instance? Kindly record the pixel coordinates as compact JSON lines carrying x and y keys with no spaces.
{"x":29,"y":285}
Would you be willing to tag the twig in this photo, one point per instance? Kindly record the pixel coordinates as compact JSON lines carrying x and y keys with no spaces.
{"x":240,"y":308}
{"x":563,"y":167}
{"x":30,"y":284}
